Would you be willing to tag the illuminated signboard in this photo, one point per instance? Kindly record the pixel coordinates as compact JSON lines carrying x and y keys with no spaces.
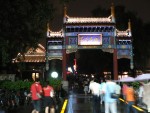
{"x":89,"y":39}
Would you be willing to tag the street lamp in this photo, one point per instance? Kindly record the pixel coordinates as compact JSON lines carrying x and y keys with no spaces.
{"x":54,"y":74}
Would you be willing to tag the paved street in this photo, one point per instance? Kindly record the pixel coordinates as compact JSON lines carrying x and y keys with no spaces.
{"x":79,"y":103}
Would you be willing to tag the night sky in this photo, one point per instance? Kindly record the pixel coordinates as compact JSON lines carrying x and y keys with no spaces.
{"x":83,"y":8}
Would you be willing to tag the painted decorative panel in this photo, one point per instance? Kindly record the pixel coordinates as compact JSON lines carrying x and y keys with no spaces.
{"x":106,"y":40}
{"x":123,"y":52}
{"x":72,"y":40}
{"x":89,"y":39}
{"x":55,"y":52}
{"x":55,"y":47}
{"x":123,"y":46}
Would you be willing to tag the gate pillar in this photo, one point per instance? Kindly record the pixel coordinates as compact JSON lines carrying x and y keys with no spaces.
{"x":64,"y":62}
{"x":115,"y":65}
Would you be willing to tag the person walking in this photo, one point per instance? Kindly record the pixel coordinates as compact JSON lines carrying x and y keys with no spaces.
{"x":118,"y":91}
{"x":94,"y":87}
{"x":124,"y":87}
{"x":36,"y":92}
{"x":130,"y":99}
{"x":140,"y":94}
{"x":102,"y":85}
{"x":110,"y":103}
{"x":86,"y":88}
{"x":48,"y":92}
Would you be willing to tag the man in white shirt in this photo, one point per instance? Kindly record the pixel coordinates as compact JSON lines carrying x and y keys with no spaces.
{"x":94,"y":87}
{"x":110,"y":103}
{"x":102,"y":85}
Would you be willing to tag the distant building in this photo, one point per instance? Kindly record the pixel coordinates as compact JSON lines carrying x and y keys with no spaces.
{"x":33,"y":62}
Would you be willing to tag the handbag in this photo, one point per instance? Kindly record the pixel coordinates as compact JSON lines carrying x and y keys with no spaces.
{"x":113,"y":94}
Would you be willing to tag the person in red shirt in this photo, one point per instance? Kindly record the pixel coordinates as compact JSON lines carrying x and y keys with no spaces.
{"x":48,"y":98}
{"x":36,"y":100}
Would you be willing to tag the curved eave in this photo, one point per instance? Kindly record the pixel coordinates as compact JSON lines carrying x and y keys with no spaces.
{"x":123,"y":36}
{"x":58,"y":37}
{"x":49,"y":35}
{"x":89,"y":24}
{"x":123,"y":56}
{"x":55,"y":57}
{"x":31,"y":58}
{"x":126,"y":33}
{"x":86,"y":20}
{"x":30,"y":61}
{"x":58,"y":34}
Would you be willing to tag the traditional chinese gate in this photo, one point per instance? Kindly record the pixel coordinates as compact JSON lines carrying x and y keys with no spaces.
{"x":89,"y":33}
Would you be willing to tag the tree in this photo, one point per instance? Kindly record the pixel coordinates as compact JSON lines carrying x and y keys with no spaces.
{"x":23,"y":24}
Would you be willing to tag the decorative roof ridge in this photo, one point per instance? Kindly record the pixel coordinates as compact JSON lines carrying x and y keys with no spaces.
{"x":122,"y":30}
{"x":33,"y":54}
{"x":42,"y":47}
{"x":55,"y":33}
{"x":86,"y":17}
{"x":35,"y":50}
{"x":30,"y":52}
{"x":123,"y":33}
{"x":69,"y":19}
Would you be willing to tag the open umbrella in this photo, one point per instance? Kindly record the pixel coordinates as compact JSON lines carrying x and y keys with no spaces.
{"x":143,"y":77}
{"x":127,"y":79}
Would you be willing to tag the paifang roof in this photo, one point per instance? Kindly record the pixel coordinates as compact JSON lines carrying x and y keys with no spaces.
{"x":55,"y":34}
{"x":91,"y":20}
{"x":75,"y":20}
{"x":32,"y":55}
{"x":126,"y":33}
{"x":34,"y":58}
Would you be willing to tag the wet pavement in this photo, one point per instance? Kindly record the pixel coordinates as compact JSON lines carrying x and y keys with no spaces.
{"x":80,"y":103}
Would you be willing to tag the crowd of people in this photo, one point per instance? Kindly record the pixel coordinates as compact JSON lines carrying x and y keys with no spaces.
{"x":12,"y":99}
{"x":103,"y":91}
{"x":38,"y":98}
{"x":42,"y":96}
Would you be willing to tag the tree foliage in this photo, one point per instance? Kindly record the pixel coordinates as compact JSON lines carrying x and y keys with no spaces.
{"x":23,"y":24}
{"x":55,"y":82}
{"x":17,"y":85}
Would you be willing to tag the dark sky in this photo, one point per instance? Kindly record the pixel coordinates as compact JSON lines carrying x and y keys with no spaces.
{"x":83,"y":8}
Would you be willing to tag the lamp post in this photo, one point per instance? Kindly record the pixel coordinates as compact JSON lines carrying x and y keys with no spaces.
{"x":131,"y":62}
{"x":47,"y":66}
